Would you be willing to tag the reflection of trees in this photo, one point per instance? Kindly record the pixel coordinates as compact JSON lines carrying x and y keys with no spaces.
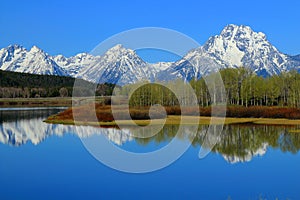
{"x":240,"y":144}
{"x":166,"y":134}
{"x":237,"y":143}
{"x":288,"y":142}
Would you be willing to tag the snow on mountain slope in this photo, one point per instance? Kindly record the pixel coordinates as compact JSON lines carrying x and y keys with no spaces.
{"x":73,"y":65}
{"x":236,"y":46}
{"x":249,"y":155}
{"x":160,"y":66}
{"x":12,"y":52}
{"x":35,"y":61}
{"x":194,"y":65}
{"x":240,"y":46}
{"x":118,"y":65}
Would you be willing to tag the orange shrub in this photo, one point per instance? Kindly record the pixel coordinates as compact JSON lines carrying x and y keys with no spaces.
{"x":104,"y":113}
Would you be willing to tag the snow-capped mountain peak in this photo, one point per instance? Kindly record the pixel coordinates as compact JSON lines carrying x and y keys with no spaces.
{"x":118,"y":65}
{"x":117,"y":47}
{"x":241,"y":46}
{"x":14,"y":47}
{"x":234,"y":47}
{"x":119,"y":51}
{"x":35,"y":49}
{"x":10,"y":53}
{"x":73,"y":65}
{"x":59,"y":58}
{"x":35,"y":61}
{"x":233,"y":31}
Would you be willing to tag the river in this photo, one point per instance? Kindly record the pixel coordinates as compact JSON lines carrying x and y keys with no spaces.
{"x":50,"y":161}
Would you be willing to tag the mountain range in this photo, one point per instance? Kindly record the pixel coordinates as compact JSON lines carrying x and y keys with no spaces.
{"x":234,"y":47}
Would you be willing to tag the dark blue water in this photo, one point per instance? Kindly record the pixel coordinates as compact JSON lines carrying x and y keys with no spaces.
{"x":40,"y":161}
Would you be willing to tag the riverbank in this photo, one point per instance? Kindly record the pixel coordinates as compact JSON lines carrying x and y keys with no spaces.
{"x":140,"y":116}
{"x":47,"y":102}
{"x":36,"y":102}
{"x":97,"y":114}
{"x":186,"y":120}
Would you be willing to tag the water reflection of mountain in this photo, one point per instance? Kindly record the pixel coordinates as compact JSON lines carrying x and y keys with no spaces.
{"x":19,"y":126}
{"x":236,"y":143}
{"x":35,"y":131}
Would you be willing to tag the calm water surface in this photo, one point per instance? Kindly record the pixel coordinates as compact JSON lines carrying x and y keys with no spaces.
{"x":43,"y":161}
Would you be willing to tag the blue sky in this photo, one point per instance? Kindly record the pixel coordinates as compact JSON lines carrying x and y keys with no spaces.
{"x":70,"y":27}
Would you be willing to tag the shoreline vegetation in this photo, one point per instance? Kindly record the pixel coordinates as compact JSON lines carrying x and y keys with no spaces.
{"x":103,"y":116}
{"x":49,"y":101}
{"x":32,"y":86}
{"x":36,"y":102}
{"x":175,"y":120}
{"x":249,"y":99}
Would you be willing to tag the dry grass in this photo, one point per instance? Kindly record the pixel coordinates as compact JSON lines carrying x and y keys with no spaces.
{"x":186,"y":120}
{"x":99,"y":114}
{"x":263,"y":112}
{"x":103,"y":113}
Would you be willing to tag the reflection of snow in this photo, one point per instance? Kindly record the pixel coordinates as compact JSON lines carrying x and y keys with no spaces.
{"x":249,"y":155}
{"x":20,"y":132}
{"x":117,"y":136}
{"x":227,"y":146}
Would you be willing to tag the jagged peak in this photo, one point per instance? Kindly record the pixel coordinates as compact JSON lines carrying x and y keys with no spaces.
{"x":59,"y":58}
{"x":118,"y":46}
{"x":15,"y":46}
{"x":119,"y":49}
{"x":238,"y":31}
{"x":234,"y":27}
{"x":236,"y":35}
{"x":35,"y":49}
{"x":236,"y":45}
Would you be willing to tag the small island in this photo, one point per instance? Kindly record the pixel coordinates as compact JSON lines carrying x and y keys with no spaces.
{"x":103,"y":116}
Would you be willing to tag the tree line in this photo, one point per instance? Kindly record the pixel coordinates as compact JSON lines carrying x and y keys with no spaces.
{"x":242,"y":87}
{"x":23,"y":85}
